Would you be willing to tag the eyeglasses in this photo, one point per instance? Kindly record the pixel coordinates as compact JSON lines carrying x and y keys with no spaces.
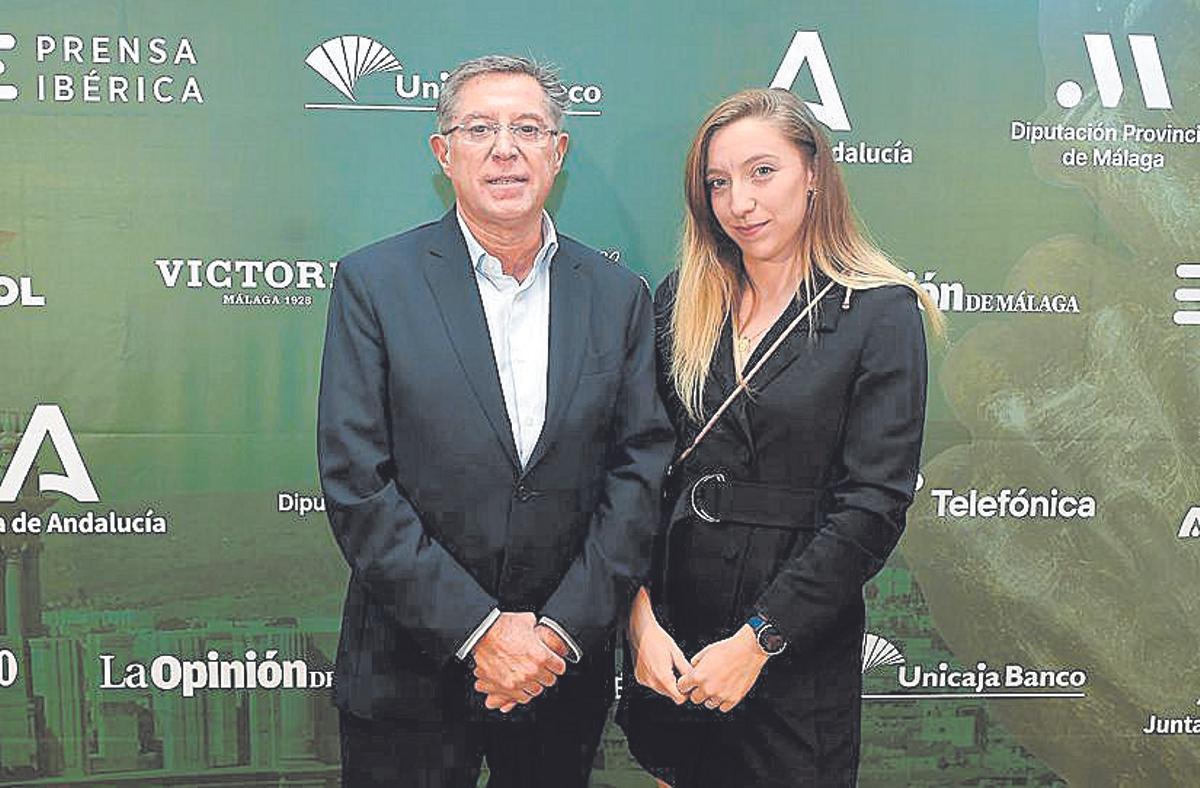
{"x":477,"y":133}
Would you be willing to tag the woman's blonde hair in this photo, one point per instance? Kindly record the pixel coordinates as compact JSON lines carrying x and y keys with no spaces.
{"x":711,"y":274}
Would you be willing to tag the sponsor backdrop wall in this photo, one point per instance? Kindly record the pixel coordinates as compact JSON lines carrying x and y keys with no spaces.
{"x":177,"y":181}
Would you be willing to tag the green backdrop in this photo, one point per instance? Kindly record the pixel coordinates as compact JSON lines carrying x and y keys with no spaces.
{"x":1070,"y":372}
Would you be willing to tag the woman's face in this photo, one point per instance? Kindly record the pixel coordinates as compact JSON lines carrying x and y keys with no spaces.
{"x":758,"y":182}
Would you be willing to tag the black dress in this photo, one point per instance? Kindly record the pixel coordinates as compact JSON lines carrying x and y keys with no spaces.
{"x":832,"y":430}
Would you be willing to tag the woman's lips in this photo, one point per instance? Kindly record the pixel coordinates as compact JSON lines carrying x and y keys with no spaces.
{"x":748,"y":230}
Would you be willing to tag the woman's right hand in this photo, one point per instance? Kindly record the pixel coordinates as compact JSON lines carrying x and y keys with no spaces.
{"x":659,"y":662}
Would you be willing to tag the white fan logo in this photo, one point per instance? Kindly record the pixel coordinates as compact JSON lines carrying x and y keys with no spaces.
{"x":876,"y":651}
{"x":343,"y":60}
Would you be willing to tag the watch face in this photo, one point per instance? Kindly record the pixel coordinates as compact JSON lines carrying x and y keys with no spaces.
{"x":771,"y":640}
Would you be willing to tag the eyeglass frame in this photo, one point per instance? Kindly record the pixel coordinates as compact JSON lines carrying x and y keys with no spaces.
{"x":495,"y":129}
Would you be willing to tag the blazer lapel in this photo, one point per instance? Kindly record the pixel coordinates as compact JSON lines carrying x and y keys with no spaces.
{"x":724,"y":375}
{"x":570,"y":307}
{"x":451,"y":277}
{"x":825,"y":314}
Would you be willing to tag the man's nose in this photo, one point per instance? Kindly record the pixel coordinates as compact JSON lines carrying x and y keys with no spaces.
{"x":504,"y":146}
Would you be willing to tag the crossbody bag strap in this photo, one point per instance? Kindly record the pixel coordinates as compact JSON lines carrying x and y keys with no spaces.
{"x":744,"y":383}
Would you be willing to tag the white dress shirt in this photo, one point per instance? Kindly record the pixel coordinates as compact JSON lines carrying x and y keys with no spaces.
{"x":518,"y":320}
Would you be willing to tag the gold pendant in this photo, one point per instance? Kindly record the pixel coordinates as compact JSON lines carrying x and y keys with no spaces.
{"x":743,"y":345}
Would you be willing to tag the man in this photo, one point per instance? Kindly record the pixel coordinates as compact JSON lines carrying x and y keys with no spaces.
{"x":491,"y":449}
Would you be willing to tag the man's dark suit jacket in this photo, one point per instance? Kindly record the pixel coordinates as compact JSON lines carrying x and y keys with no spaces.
{"x":423,"y":488}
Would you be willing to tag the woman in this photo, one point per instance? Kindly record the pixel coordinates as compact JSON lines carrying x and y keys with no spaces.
{"x":746,"y":644}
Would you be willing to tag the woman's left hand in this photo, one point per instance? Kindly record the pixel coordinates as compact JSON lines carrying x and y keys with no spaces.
{"x":723,"y":672}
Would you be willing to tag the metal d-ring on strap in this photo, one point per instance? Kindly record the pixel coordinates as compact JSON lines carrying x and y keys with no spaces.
{"x":698,"y":509}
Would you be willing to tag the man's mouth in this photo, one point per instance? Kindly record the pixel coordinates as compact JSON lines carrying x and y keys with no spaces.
{"x":506,"y":180}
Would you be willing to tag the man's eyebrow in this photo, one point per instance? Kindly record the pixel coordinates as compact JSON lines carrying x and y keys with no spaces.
{"x":470,"y":116}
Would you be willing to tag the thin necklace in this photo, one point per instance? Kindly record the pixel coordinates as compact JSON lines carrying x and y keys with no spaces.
{"x":743,"y":340}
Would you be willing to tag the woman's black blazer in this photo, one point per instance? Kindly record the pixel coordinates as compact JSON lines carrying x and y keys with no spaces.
{"x":838,"y":410}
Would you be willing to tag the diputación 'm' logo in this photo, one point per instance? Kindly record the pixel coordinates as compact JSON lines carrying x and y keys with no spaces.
{"x":1098,"y":138}
{"x":1107,"y":73}
{"x":343,"y":60}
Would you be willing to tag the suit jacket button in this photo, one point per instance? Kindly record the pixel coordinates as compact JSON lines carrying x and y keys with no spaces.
{"x":524,"y":494}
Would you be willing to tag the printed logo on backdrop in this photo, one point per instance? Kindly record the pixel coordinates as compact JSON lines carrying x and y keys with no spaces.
{"x":171,"y":673}
{"x":806,"y":49}
{"x":8,"y":42}
{"x":17,"y":290}
{"x":1162,"y":725}
{"x":299,"y":504}
{"x":1113,"y":141}
{"x":1013,"y":504}
{"x":613,"y":254}
{"x":941,"y":680}
{"x":342,"y":61}
{"x":1189,"y":294}
{"x":23,"y":484}
{"x":253,"y":283}
{"x":1189,"y":527}
{"x":161,"y":678}
{"x":109,"y":70}
{"x":953,"y":296}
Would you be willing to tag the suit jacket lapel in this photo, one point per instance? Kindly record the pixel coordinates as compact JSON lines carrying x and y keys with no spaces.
{"x":451,"y":277}
{"x":570,"y":307}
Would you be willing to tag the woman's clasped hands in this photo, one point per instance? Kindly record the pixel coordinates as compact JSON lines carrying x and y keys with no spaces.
{"x":717,"y":677}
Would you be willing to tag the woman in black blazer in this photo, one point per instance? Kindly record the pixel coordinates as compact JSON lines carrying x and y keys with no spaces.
{"x":746,"y":644}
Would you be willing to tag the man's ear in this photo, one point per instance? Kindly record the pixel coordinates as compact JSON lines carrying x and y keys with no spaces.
{"x":561,"y":142}
{"x":441,"y":151}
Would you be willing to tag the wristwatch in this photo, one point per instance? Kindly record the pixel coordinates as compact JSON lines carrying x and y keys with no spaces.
{"x":770,"y":639}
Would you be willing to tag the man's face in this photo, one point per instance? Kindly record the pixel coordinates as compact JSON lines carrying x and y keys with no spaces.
{"x":501,"y":182}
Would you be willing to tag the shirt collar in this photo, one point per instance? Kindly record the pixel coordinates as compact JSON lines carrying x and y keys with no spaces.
{"x":480,"y":258}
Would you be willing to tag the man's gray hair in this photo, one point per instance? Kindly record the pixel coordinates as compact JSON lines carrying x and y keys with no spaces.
{"x":545,"y":75}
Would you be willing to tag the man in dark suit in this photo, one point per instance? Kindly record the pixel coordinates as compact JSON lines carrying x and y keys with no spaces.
{"x":491,"y":448}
